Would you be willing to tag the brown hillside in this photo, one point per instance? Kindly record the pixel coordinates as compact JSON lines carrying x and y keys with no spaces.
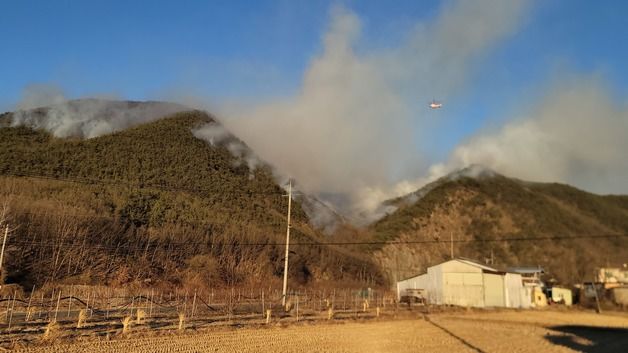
{"x":479,"y":212}
{"x":153,"y":204}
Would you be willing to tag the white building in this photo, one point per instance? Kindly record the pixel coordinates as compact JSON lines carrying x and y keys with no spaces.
{"x":467,"y":283}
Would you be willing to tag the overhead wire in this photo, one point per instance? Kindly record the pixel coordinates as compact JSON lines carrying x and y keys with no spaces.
{"x":264,"y":244}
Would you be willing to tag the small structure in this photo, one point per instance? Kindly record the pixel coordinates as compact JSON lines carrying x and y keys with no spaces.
{"x":530,"y":275}
{"x":468,"y":283}
{"x":612,"y":276}
{"x":538,"y":297}
{"x":613,"y":283}
{"x":561,"y":295}
{"x":532,"y":284}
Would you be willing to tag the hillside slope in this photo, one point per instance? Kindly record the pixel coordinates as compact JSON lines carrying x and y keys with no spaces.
{"x":478,"y":211}
{"x":153,"y":203}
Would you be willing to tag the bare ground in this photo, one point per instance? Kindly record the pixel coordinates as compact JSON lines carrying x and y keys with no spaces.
{"x":499,"y":331}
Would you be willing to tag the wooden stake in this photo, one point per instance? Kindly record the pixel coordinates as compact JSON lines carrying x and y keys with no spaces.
{"x":193,"y":305}
{"x":107,"y":312}
{"x":4,"y":242}
{"x":28,"y":308}
{"x":12,"y":308}
{"x":87,"y":303}
{"x":297,"y":306}
{"x":150,"y":311}
{"x":70,"y":301}
{"x":57,"y":309}
{"x":52,"y":301}
{"x":41,"y":308}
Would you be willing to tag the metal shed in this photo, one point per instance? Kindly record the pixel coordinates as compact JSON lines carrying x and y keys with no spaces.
{"x":467,"y":283}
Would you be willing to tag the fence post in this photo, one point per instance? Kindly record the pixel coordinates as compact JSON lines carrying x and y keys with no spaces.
{"x":193,"y":305}
{"x":150,"y":311}
{"x":12,"y":308}
{"x":70,"y":301}
{"x":297,"y":306}
{"x":58,"y":302}
{"x":28,"y":308}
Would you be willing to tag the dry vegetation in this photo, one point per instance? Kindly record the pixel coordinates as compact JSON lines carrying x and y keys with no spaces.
{"x":477,"y":213}
{"x":153,"y":205}
{"x":503,"y":331}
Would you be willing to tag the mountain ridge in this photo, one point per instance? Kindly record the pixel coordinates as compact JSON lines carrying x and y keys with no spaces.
{"x":481,"y":214}
{"x":149,"y":186}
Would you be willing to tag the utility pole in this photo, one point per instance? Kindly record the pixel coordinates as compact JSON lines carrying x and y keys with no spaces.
{"x":597,"y":299}
{"x":4,"y":242}
{"x":451,"y":244}
{"x":285,"y":267}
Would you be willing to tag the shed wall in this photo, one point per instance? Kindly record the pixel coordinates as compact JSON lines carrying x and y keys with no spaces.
{"x":494,"y":290}
{"x":516,"y":295}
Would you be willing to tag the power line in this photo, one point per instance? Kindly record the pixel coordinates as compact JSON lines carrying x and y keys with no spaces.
{"x":171,"y":188}
{"x":130,"y":184}
{"x":313,"y":244}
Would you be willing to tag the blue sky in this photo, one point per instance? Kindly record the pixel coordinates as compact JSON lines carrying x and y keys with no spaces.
{"x":222,"y":48}
{"x":257,"y":49}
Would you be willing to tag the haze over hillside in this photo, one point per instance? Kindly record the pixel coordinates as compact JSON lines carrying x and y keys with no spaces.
{"x":152,"y":201}
{"x":185,"y":179}
{"x":481,"y":210}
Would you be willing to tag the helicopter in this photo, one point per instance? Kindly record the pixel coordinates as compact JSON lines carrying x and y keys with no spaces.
{"x":435,"y":104}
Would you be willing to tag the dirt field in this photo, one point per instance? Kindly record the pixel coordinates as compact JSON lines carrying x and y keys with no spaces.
{"x":507,"y":331}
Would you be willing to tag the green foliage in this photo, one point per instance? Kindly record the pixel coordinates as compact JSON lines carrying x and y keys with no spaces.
{"x":143,"y":194}
{"x":497,"y":207}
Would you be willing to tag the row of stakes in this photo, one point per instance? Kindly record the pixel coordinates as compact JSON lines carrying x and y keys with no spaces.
{"x":330,"y":310}
{"x":140,"y":317}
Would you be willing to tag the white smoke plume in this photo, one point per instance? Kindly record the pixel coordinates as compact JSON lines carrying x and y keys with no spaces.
{"x":86,"y":118}
{"x":577,"y":135}
{"x":350,"y":129}
{"x":217,"y":135}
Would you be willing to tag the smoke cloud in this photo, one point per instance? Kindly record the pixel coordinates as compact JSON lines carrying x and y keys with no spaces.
{"x":86,"y":118}
{"x":576,"y":135}
{"x":350,"y":131}
{"x":217,"y":135}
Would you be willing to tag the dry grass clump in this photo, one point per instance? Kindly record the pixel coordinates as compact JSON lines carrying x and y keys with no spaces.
{"x":52,"y":331}
{"x":181,"y":321}
{"x":289,"y":305}
{"x":29,"y":314}
{"x":140,"y":316}
{"x":126,"y":325}
{"x":82,"y":318}
{"x":269,"y":314}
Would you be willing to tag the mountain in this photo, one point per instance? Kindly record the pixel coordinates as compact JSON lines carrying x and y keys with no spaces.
{"x":479,"y":208}
{"x":89,"y":117}
{"x":174,"y":201}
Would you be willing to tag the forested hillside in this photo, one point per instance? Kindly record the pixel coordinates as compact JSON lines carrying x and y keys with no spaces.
{"x":153,"y":204}
{"x":481,"y":213}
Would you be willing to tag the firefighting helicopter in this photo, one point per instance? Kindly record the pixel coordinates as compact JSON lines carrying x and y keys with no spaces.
{"x":435,"y":104}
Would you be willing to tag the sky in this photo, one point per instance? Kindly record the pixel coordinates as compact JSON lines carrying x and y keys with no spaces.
{"x":237,"y":49}
{"x":263,"y":62}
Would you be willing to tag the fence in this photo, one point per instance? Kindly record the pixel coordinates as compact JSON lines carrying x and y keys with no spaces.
{"x":87,"y":310}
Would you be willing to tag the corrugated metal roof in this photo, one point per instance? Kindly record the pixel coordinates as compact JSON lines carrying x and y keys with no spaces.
{"x":476,"y":264}
{"x":526,"y":269}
